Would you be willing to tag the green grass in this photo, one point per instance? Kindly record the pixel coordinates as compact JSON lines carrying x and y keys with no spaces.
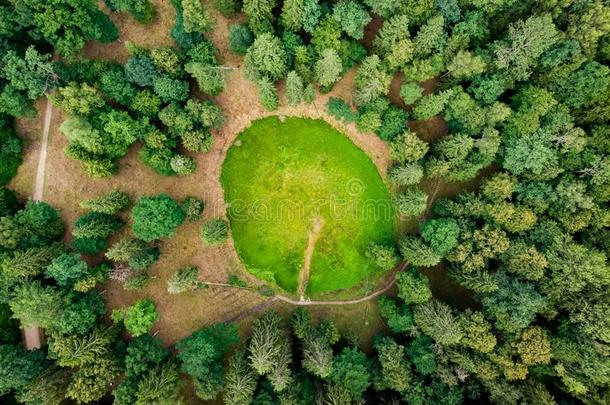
{"x":278,"y":177}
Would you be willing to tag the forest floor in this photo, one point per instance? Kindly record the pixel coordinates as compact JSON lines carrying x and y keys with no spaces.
{"x":66,"y":184}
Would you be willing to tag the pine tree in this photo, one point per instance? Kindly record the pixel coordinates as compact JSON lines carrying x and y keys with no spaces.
{"x":110,"y":203}
{"x":269,"y":350}
{"x":240,"y":380}
{"x":268,"y":94}
{"x":294,"y":88}
{"x":183,"y":280}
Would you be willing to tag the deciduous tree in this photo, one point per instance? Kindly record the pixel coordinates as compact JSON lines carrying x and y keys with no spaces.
{"x":201,"y":356}
{"x":351,"y":370}
{"x":413,"y":287}
{"x":138,"y":318}
{"x":156,"y":217}
{"x":352,"y":17}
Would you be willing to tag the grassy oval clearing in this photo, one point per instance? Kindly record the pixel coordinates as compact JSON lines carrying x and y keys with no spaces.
{"x":301,"y":194}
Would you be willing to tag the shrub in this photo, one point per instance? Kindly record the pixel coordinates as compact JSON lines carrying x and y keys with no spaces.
{"x":156,"y":217}
{"x":193,"y":208}
{"x":183,"y":165}
{"x":214,"y":232}
{"x":369,"y":121}
{"x":235,"y":281}
{"x":341,"y":110}
{"x":240,"y":38}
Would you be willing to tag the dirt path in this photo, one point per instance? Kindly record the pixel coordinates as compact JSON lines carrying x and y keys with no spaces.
{"x":42,"y":157}
{"x":253,"y":310}
{"x":33,"y":336}
{"x":303,"y":303}
{"x":314,"y":234}
{"x":372,"y":295}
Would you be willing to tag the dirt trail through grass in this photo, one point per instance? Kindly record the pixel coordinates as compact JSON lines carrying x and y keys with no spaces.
{"x":318,"y":224}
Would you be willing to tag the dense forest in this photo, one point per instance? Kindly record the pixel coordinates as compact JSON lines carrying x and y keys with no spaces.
{"x":524,"y":90}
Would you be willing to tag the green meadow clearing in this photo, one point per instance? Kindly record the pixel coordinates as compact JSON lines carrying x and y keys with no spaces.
{"x":280,"y":179}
